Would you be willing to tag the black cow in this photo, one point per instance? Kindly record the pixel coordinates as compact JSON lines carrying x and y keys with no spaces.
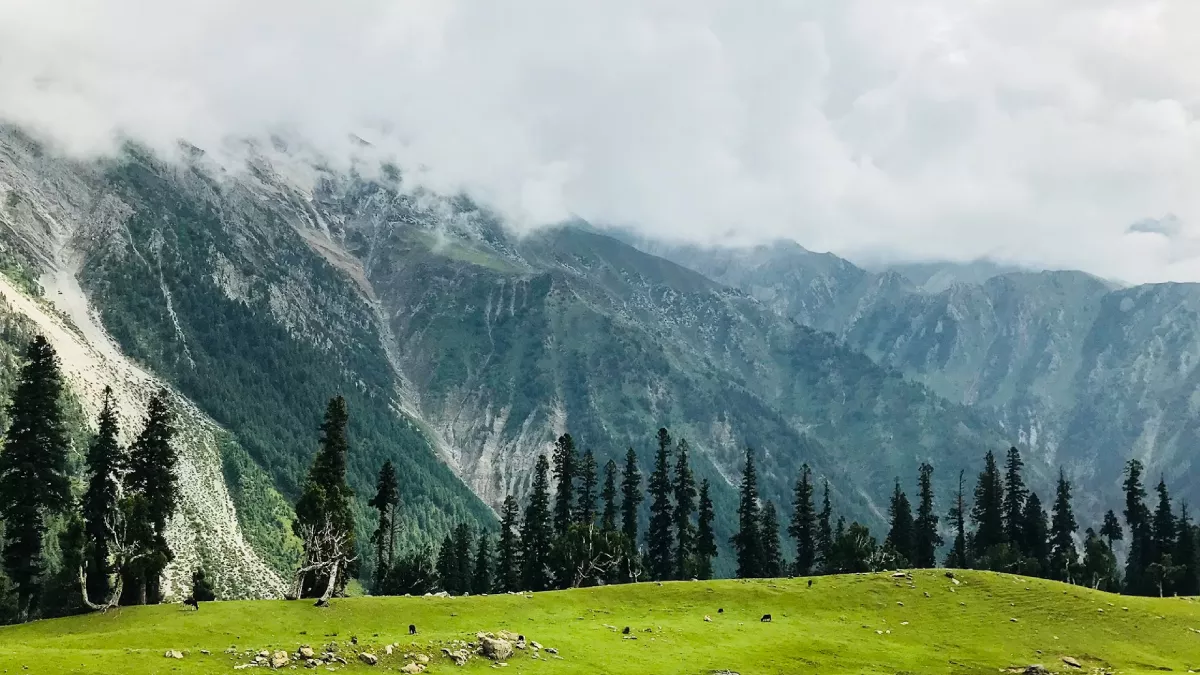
{"x":766,"y":618}
{"x":189,"y":601}
{"x":412,"y":629}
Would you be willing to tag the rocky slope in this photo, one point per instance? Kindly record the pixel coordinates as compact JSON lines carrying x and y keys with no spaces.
{"x":1082,"y":372}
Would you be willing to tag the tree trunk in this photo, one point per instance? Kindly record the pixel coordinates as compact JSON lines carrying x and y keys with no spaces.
{"x":333,"y":577}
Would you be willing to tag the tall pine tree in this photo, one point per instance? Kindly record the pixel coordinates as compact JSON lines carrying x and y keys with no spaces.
{"x":988,"y":511}
{"x":153,"y":485}
{"x":1014,"y":500}
{"x":585,"y":504}
{"x":325,"y":498}
{"x":685,"y":506}
{"x":803,"y":528}
{"x":565,"y":470}
{"x":463,"y":570}
{"x":106,"y":463}
{"x":659,"y":538}
{"x":1111,"y":529}
{"x":900,"y":531}
{"x":925,"y":528}
{"x":631,"y":498}
{"x":825,"y":539}
{"x":1063,"y":555}
{"x":1164,"y":524}
{"x":747,"y":543}
{"x":481,"y":583}
{"x":771,"y":558}
{"x":1185,"y":555}
{"x":508,"y":570}
{"x":706,"y":540}
{"x":537,"y":530}
{"x":385,"y":502}
{"x":1036,"y":544}
{"x":33,"y":471}
{"x":1141,"y":540}
{"x":958,"y":556}
{"x":608,"y":495}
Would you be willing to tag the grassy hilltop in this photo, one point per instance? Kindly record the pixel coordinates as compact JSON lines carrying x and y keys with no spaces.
{"x":844,"y":624}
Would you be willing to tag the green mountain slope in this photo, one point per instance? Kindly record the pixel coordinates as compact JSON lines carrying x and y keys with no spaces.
{"x":1081,"y":372}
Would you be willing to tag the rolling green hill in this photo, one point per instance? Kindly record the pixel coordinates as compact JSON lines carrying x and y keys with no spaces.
{"x":987,"y":623}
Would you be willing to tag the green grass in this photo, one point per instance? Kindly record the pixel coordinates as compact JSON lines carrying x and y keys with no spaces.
{"x":829,"y":628}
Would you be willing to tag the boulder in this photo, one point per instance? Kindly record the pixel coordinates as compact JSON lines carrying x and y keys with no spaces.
{"x":459,"y":657}
{"x":279,"y":659}
{"x":173,"y":654}
{"x":387,"y":650}
{"x":1071,"y":662}
{"x":368,"y":658}
{"x":412,"y":668}
{"x":422,"y":659}
{"x":508,"y":635}
{"x":496,"y":649}
{"x":305,"y":652}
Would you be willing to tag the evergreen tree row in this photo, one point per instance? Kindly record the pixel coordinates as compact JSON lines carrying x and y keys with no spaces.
{"x":111,"y":538}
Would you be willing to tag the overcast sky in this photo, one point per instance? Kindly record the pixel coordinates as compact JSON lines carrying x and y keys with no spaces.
{"x":1035,"y":131}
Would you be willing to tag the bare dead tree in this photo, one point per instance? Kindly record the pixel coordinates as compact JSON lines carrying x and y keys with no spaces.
{"x":123,"y":553}
{"x":325,"y":551}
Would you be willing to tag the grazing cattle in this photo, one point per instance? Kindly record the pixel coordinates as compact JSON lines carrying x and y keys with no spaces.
{"x":412,"y":629}
{"x":766,"y":618}
{"x":189,"y":601}
{"x":720,"y":610}
{"x":810,"y":583}
{"x":625,"y":631}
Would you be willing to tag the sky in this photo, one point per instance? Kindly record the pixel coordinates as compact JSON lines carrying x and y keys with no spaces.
{"x":1054,"y":133}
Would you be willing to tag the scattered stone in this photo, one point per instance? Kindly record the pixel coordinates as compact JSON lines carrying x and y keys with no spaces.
{"x":422,"y":659}
{"x":708,"y":618}
{"x":205,"y":652}
{"x":496,"y":649}
{"x":279,"y":659}
{"x":949,"y":575}
{"x":508,"y":635}
{"x":927,"y":594}
{"x":1036,"y":669}
{"x":1014,"y":619}
{"x":412,"y":668}
{"x":956,"y":581}
{"x":551,"y":650}
{"x":459,"y":656}
{"x":306,"y":652}
{"x":1071,"y":662}
{"x":368,"y":658}
{"x":898,"y":575}
{"x":173,"y":654}
{"x":535,"y":645}
{"x":387,"y":650}
{"x":899,"y":604}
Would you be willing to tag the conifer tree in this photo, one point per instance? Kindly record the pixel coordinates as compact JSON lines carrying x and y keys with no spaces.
{"x":325,"y":498}
{"x":1037,"y":538}
{"x":106,"y":463}
{"x":925,"y":528}
{"x":202,"y":590}
{"x":1164,"y":524}
{"x":957,"y":557}
{"x":537,"y":530}
{"x":152,"y":478}
{"x":803,"y":528}
{"x":463,"y":569}
{"x":385,"y":501}
{"x":825,"y":538}
{"x":988,"y":511}
{"x":1185,"y":555}
{"x":706,"y":540}
{"x":1063,"y":556}
{"x":631,"y":498}
{"x":1099,"y":563}
{"x":1014,"y":500}
{"x":447,"y":568}
{"x":771,"y":558}
{"x":1111,"y":529}
{"x":33,"y":471}
{"x":1137,"y":519}
{"x":659,"y":538}
{"x":747,"y":543}
{"x":565,"y":469}
{"x":481,"y":582}
{"x":508,"y":571}
{"x":608,"y":495}
{"x":585,"y":505}
{"x":900,"y":532}
{"x":685,"y":506}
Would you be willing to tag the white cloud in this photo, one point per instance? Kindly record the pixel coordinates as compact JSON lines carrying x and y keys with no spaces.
{"x":1033,"y":131}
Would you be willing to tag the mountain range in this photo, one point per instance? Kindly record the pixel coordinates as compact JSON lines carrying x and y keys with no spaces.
{"x":257,"y":289}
